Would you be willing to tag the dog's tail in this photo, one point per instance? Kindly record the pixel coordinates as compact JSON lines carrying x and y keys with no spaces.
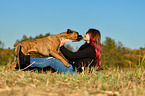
{"x":17,"y":51}
{"x":13,"y":63}
{"x":16,"y":60}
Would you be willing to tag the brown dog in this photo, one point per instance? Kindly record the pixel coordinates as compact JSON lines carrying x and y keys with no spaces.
{"x":45,"y":46}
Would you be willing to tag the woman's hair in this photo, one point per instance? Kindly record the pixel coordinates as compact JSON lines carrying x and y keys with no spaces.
{"x":95,"y":41}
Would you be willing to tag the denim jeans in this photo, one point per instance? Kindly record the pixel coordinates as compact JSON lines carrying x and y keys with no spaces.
{"x":53,"y":63}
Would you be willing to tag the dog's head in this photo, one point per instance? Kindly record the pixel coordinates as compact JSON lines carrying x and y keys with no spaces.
{"x":71,"y":35}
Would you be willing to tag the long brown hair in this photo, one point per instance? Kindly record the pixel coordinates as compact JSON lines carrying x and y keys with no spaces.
{"x":95,"y":41}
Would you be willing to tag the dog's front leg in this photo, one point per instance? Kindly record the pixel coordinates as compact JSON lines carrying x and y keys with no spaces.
{"x":56,"y":55}
{"x":60,"y":53}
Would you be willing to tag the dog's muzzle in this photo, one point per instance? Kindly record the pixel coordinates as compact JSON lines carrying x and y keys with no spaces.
{"x":80,"y":37}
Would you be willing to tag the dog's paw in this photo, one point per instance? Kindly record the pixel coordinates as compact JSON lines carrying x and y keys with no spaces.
{"x":66,"y":64}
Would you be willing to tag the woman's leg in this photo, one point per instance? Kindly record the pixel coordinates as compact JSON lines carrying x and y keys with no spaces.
{"x":52,"y":62}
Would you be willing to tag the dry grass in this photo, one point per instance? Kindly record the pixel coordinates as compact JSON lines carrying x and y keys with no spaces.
{"x":111,"y":82}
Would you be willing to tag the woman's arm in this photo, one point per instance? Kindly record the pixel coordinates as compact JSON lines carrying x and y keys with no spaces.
{"x":88,"y":52}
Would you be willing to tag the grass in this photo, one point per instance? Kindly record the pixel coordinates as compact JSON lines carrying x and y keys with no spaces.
{"x":113,"y":82}
{"x":110,"y":82}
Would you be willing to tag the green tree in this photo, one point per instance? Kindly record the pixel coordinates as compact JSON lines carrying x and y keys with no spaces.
{"x":24,"y":38}
{"x":108,"y":48}
{"x":142,"y":50}
{"x":47,"y":34}
{"x":1,"y":48}
{"x":39,"y":36}
{"x":112,"y":53}
{"x":30,"y":38}
{"x":1,"y":44}
{"x":4,"y":54}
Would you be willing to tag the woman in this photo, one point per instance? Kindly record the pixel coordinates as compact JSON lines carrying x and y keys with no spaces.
{"x":88,"y":55}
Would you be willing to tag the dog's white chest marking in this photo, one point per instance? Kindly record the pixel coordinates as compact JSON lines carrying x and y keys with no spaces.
{"x":68,"y":40}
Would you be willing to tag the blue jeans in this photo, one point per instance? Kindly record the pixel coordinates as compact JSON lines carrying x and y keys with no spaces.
{"x":53,"y":63}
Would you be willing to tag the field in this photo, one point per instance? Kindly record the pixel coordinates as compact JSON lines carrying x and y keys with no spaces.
{"x":122,"y":74}
{"x":110,"y":82}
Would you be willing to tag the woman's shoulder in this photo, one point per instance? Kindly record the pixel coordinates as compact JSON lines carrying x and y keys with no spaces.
{"x":88,"y":47}
{"x":85,"y":45}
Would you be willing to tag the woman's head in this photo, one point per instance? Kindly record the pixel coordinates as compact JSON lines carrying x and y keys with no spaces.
{"x":93,"y":36}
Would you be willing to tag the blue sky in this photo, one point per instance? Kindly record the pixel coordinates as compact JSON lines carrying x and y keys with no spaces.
{"x":122,"y":20}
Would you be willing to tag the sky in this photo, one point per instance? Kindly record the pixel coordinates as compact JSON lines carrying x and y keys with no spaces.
{"x":121,"y":20}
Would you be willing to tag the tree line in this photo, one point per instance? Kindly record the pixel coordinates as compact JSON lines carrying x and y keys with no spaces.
{"x":114,"y":54}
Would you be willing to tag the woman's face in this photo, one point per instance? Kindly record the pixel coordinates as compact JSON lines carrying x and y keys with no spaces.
{"x":86,"y":37}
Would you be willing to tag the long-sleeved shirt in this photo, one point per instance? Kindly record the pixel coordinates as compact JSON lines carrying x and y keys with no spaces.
{"x":84,"y":57}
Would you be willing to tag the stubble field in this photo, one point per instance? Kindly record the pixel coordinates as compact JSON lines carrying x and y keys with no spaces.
{"x":110,"y":82}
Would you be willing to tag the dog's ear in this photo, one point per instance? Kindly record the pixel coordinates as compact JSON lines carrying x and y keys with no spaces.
{"x":69,"y":31}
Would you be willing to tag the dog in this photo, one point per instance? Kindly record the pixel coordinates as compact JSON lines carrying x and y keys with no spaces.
{"x":45,"y":46}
